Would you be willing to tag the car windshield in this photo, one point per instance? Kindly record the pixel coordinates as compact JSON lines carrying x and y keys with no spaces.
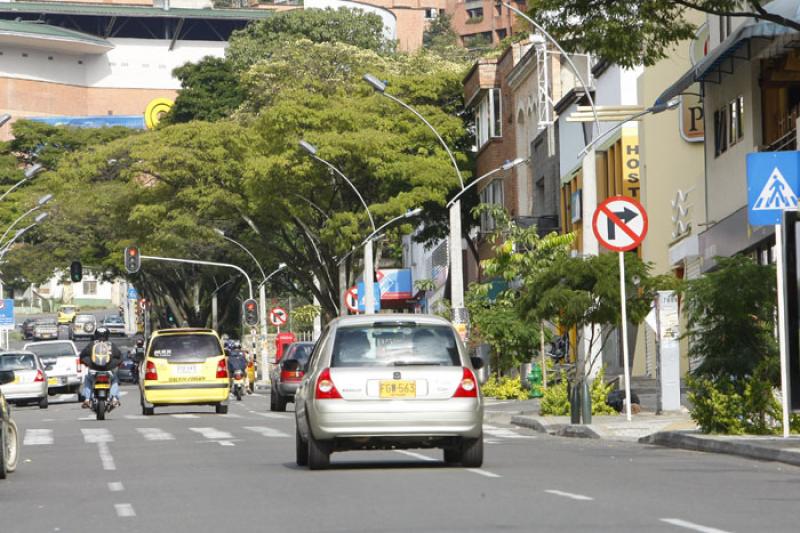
{"x":112,"y":320}
{"x":300,"y":352}
{"x":17,"y":361}
{"x":68,"y":310}
{"x":84,"y":318}
{"x":185,"y":346}
{"x":51,"y":349}
{"x":395,"y":345}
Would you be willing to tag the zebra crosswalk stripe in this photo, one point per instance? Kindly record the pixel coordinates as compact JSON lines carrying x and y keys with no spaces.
{"x":267,"y":432}
{"x":155,"y":434}
{"x":97,"y":435}
{"x":38,"y":437}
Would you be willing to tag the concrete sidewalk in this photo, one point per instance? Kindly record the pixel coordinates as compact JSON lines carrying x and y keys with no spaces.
{"x":613,"y":427}
{"x":765,"y":448}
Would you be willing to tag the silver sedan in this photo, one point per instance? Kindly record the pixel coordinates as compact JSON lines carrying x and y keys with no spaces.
{"x":30,"y":380}
{"x":389,"y":382}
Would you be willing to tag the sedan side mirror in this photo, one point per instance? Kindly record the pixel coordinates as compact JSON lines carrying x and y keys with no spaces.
{"x":477,"y":362}
{"x":291,"y":365}
{"x":6,"y":376}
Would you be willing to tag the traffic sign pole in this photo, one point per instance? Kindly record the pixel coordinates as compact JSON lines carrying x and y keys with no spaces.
{"x":782,"y":328}
{"x":625,"y":358}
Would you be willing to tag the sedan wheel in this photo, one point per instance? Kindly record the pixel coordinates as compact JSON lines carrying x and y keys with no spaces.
{"x":301,"y":449}
{"x":472,"y":452}
{"x":12,"y":447}
{"x":43,"y":403}
{"x":319,"y":456}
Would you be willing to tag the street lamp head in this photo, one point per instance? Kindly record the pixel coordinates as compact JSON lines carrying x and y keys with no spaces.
{"x":281,"y":266}
{"x":33,"y":170}
{"x":666,"y":106}
{"x":308,"y":147}
{"x":413,"y":212}
{"x":376,"y":84}
{"x":44,"y":199}
{"x":41,"y":217}
{"x":508,"y":165}
{"x":5,"y":117}
{"x":219,"y":232}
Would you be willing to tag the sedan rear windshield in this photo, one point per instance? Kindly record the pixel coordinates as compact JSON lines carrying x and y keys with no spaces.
{"x":300,"y":352}
{"x":56,"y":349}
{"x":17,"y":361}
{"x":390,"y":345}
{"x":185,"y":346}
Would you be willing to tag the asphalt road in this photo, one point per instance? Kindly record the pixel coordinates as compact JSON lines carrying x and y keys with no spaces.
{"x":187,"y":469}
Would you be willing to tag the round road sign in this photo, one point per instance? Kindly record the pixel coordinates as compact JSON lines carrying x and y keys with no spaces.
{"x":351,"y":299}
{"x":620,"y":223}
{"x":278,"y":316}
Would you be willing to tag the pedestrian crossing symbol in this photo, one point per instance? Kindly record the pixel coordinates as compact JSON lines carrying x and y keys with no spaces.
{"x":772,"y":186}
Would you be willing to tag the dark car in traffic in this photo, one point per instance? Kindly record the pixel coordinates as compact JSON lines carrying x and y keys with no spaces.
{"x":26,"y":328}
{"x":283,"y":381}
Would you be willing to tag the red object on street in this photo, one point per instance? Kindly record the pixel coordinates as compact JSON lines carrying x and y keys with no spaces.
{"x":281,"y":342}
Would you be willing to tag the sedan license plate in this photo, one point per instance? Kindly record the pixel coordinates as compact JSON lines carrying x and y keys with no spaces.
{"x":53,"y":381}
{"x":398,"y":389}
{"x":185,"y":370}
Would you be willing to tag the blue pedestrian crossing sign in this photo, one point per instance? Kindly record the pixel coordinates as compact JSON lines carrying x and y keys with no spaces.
{"x":773,"y":182}
{"x":132,"y":294}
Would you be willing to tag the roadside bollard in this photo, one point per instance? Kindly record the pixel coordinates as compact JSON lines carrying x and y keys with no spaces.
{"x":535,"y":381}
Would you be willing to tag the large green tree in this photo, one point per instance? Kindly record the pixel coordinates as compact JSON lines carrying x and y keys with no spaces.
{"x":634,"y":32}
{"x":210,"y":90}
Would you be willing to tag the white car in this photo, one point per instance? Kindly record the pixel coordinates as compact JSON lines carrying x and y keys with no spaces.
{"x":62,"y":364}
{"x":30,"y":380}
{"x":389,"y":382}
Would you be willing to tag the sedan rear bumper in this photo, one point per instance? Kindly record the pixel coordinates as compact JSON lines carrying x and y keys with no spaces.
{"x":462,"y":417}
{"x":27,"y":391}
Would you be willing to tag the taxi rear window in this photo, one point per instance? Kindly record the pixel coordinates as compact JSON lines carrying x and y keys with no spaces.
{"x":185,"y":346}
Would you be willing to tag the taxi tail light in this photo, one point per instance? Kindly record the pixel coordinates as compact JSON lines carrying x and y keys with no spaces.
{"x":325,"y":389}
{"x":78,"y":365}
{"x":468,"y":386}
{"x":222,"y":369}
{"x":289,"y":375}
{"x":150,"y":372}
{"x":102,"y":378}
{"x":39,"y":377}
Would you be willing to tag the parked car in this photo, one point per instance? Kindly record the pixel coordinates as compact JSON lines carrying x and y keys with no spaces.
{"x":61,"y":363}
{"x":9,"y":436}
{"x":284,"y":383}
{"x":30,"y":380}
{"x":388,"y":382}
{"x":83,"y":326}
{"x":26,"y":328}
{"x":45,"y":328}
{"x":115,"y":325}
{"x":184,"y":366}
{"x":66,"y":313}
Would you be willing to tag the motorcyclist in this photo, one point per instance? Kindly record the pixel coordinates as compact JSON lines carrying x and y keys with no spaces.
{"x":237,"y":361}
{"x":137,"y":355}
{"x":89,"y":357}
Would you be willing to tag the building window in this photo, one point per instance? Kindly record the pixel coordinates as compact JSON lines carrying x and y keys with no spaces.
{"x":492,"y":194}
{"x":431,"y":13}
{"x":488,"y":117}
{"x":89,"y":288}
{"x":475,"y":16}
{"x":728,"y":125}
{"x":501,"y":34}
{"x":477,"y":40}
{"x":725,"y":26}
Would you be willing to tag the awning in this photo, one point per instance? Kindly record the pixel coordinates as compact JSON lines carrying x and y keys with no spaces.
{"x":752,"y":29}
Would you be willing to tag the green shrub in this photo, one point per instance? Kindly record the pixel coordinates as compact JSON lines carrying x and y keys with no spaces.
{"x":600,"y":390}
{"x":555,"y":401}
{"x":504,"y":389}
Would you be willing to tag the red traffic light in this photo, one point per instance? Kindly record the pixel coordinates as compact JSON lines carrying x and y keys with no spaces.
{"x":132,"y":251}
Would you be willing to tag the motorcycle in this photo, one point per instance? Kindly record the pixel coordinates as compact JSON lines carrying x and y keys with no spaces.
{"x":238,"y":384}
{"x":101,"y":397}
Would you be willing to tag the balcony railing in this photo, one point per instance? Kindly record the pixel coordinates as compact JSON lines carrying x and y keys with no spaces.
{"x":784,"y":143}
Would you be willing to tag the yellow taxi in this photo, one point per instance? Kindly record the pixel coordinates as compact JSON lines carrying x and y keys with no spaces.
{"x":184,"y":366}
{"x":66,"y":313}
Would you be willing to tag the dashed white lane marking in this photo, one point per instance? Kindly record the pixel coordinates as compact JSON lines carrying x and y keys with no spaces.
{"x":123,"y":393}
{"x":105,"y":456}
{"x":38,"y":437}
{"x":212,"y":433}
{"x":690,"y":525}
{"x":97,"y":435}
{"x":136,"y":417}
{"x":155,"y":434}
{"x":272,"y":415}
{"x":115,"y":486}
{"x":231,"y":415}
{"x":504,"y":433}
{"x":185,"y":416}
{"x":267,"y":432}
{"x":416,"y":455}
{"x":570,"y":495}
{"x":482,"y":472}
{"x":124,"y":510}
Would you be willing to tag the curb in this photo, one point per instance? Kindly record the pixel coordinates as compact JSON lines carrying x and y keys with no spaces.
{"x":676,"y":439}
{"x":561,"y":430}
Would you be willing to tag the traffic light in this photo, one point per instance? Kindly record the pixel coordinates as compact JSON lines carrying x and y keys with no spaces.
{"x":133,"y":260}
{"x":75,"y":271}
{"x":250,"y":312}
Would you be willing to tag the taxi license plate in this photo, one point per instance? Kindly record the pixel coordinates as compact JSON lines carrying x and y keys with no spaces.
{"x":185,"y":370}
{"x":398,"y":389}
{"x":17,"y":379}
{"x":53,"y":381}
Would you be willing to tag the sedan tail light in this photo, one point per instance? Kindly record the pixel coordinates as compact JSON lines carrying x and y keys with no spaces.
{"x":291,"y":375}
{"x":78,"y":365}
{"x":39,"y":377}
{"x":468,"y":386}
{"x":325,"y":389}
{"x":150,"y":372}
{"x":222,"y":369}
